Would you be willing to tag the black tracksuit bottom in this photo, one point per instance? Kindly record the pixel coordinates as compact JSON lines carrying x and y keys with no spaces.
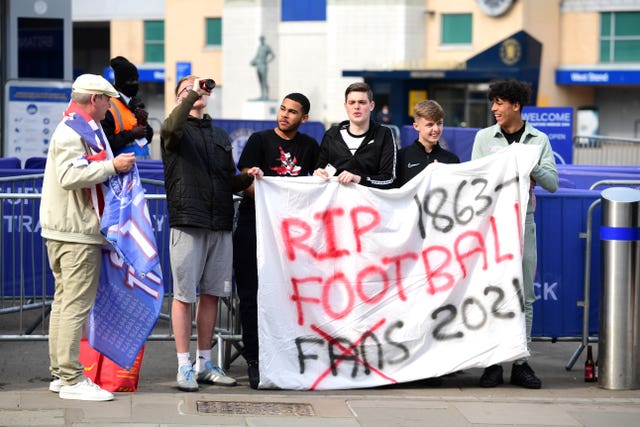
{"x":245,"y":267}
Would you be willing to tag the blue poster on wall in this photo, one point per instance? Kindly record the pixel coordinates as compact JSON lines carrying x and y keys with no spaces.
{"x":557,"y":123}
{"x":32,"y":111}
{"x":183,"y":69}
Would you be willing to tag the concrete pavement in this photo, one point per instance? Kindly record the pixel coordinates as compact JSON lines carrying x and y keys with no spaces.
{"x":564,"y":400}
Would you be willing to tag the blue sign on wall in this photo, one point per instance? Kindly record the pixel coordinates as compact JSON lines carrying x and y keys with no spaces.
{"x":557,"y":123}
{"x":597,"y":77}
{"x":183,"y":69}
{"x":144,"y":74}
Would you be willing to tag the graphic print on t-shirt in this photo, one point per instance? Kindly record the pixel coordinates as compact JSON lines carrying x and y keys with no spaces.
{"x":288,"y":165}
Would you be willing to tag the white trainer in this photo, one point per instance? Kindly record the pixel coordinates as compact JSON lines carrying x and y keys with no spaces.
{"x":55,"y":385}
{"x":213,"y":374}
{"x":85,"y":390}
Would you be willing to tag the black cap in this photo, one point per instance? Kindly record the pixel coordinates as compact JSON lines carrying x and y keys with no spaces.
{"x":123,"y":70}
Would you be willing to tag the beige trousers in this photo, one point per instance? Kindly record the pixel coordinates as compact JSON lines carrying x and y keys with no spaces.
{"x":76,"y":270}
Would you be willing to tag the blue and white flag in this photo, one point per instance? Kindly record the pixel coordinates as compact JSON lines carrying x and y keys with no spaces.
{"x":130,"y":291}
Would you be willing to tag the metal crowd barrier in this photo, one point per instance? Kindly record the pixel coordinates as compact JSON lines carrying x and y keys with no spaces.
{"x":588,"y":235}
{"x":26,"y":282}
{"x":605,"y":150}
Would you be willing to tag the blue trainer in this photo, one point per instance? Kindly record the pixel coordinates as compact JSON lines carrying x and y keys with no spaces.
{"x":187,"y":379}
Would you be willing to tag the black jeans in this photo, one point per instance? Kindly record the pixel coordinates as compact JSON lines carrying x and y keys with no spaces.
{"x":246,"y":274}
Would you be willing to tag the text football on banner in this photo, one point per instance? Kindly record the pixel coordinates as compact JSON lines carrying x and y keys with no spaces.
{"x":361,"y":287}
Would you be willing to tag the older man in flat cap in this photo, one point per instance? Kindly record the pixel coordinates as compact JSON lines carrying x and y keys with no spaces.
{"x":125,"y":123}
{"x":78,"y":163}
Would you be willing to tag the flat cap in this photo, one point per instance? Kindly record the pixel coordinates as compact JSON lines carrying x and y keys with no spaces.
{"x":93,"y":83}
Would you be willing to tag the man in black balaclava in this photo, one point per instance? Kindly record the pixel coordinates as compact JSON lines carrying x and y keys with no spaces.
{"x":125,"y":124}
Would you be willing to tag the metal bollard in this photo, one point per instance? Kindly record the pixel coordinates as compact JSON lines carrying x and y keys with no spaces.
{"x":619,"y":343}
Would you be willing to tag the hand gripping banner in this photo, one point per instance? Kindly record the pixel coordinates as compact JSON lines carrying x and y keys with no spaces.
{"x":361,"y":287}
{"x":130,"y":290}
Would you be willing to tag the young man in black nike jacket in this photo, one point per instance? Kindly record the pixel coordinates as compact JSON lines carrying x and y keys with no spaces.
{"x":429,"y":122}
{"x":359,"y":149}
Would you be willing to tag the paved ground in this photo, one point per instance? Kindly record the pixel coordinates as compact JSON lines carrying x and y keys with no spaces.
{"x":564,"y":400}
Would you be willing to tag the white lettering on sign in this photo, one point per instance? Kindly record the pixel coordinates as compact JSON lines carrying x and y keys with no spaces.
{"x":546,"y":291}
{"x":590,"y":77}
{"x":547,"y":117}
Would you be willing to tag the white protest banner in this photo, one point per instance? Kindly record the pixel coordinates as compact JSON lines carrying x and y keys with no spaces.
{"x":361,"y":287}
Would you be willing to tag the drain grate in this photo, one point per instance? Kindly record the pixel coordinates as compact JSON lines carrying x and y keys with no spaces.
{"x":254,"y":408}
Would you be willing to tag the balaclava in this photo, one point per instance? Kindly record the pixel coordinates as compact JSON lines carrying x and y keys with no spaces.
{"x":124,"y":71}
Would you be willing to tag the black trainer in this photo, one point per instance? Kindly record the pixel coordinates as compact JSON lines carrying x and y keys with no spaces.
{"x":524,"y":376}
{"x":492,"y":376}
{"x":253,"y":370}
{"x":432,"y":382}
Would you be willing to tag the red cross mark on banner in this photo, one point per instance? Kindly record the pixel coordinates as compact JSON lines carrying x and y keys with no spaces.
{"x":348,"y":353}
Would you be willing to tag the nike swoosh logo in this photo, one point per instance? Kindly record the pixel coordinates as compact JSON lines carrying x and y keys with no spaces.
{"x":88,"y":368}
{"x":412,"y":165}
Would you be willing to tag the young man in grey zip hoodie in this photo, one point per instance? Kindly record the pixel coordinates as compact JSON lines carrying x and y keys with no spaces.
{"x":507,"y":99}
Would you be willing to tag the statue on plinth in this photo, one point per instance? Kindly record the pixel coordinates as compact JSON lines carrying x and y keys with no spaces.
{"x":264,"y":55}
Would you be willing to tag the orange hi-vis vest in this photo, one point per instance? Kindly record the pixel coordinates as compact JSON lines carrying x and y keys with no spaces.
{"x":122,"y":116}
{"x":124,"y":119}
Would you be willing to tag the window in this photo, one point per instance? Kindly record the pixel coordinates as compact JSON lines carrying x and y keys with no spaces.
{"x":154,"y":41}
{"x":41,"y":51}
{"x":309,"y":10}
{"x":456,"y":28}
{"x":214,"y":32}
{"x":619,"y":37}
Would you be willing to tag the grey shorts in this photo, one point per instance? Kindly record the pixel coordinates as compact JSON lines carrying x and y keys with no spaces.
{"x":200,"y":259}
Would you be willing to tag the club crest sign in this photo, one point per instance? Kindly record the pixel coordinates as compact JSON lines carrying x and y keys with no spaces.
{"x":510,"y":51}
